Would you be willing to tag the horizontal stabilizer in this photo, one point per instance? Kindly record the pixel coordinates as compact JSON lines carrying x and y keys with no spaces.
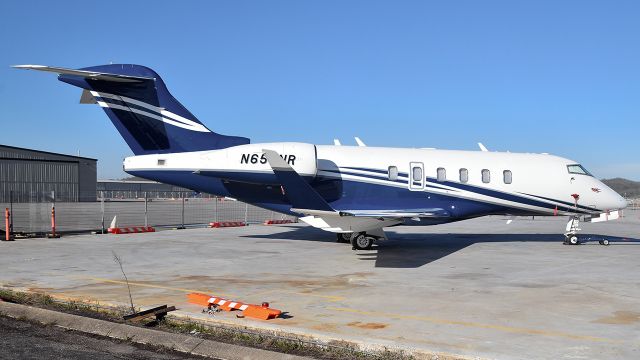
{"x":85,"y":73}
{"x":300,"y":194}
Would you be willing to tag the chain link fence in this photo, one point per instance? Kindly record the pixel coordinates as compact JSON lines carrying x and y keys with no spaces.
{"x":158,"y":209}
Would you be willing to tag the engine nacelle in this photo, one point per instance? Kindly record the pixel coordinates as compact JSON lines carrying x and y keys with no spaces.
{"x":250,"y":158}
{"x":239,"y":163}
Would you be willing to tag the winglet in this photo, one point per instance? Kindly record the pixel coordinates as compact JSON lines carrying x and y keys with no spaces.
{"x":300,"y":194}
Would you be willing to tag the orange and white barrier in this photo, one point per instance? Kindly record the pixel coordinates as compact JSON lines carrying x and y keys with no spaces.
{"x":275,"y":222}
{"x":131,"y":230}
{"x":114,"y":229}
{"x":221,"y":224}
{"x":262,"y":311}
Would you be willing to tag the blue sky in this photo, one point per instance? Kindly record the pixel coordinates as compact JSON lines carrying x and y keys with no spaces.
{"x":531,"y":76}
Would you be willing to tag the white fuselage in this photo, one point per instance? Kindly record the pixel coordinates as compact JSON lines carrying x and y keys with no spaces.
{"x":513,"y":183}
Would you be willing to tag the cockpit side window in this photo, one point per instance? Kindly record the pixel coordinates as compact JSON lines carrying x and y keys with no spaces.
{"x":578,"y":169}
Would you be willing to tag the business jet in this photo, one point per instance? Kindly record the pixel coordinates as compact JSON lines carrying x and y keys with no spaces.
{"x":353,"y":191}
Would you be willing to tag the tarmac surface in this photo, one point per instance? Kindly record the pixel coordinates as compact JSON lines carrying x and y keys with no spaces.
{"x":26,"y":340}
{"x":478,"y":288}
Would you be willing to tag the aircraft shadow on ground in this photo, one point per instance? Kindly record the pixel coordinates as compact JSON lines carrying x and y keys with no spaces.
{"x":415,"y":250}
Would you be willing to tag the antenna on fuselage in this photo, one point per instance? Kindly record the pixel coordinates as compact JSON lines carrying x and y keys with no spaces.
{"x":482,"y":147}
{"x":336,"y":142}
{"x":359,"y":142}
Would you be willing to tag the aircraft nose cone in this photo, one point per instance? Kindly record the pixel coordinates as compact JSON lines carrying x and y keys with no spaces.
{"x":614,"y":201}
{"x":622,"y":202}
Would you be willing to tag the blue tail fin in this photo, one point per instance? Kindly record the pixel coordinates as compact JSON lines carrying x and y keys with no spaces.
{"x":138,"y":103}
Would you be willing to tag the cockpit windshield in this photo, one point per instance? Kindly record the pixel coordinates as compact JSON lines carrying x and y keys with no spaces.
{"x":578,"y":169}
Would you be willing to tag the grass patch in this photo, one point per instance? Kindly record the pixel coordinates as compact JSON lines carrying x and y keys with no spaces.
{"x":44,"y":301}
{"x":284,"y":343}
{"x":268,"y":340}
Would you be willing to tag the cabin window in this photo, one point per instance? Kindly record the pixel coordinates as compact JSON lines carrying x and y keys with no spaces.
{"x":161,"y":162}
{"x":417,"y":174}
{"x":464,"y":175}
{"x":486,"y":176}
{"x":442,"y":174}
{"x":578,"y":169}
{"x":507,"y":176}
{"x":393,"y":173}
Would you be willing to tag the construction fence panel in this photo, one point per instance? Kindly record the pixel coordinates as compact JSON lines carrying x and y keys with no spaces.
{"x":152,"y":209}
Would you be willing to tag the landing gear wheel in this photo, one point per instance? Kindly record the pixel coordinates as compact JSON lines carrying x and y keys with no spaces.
{"x":604,"y":242}
{"x":343,"y":237}
{"x":573,"y":240}
{"x":362,"y":242}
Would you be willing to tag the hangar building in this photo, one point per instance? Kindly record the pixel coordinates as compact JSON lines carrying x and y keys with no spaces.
{"x":28,"y":175}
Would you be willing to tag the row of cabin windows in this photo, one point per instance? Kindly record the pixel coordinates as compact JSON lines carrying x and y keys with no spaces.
{"x":416,"y":174}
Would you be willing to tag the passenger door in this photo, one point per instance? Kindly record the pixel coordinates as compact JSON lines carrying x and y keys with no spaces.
{"x":416,"y":176}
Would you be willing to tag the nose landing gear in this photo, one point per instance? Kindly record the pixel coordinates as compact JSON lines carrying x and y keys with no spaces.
{"x":571,"y":234}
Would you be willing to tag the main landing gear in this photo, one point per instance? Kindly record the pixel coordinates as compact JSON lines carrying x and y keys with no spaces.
{"x":571,"y":236}
{"x":344,"y":237}
{"x":358,"y":240}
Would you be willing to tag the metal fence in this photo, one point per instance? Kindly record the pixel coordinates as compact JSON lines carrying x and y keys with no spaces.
{"x":633,"y":204}
{"x":152,"y":209}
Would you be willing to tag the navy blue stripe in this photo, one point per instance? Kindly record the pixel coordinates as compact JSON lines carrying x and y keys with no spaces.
{"x":510,"y":197}
{"x":365,"y":175}
{"x":563,"y":202}
{"x":385,"y":172}
{"x":385,"y":177}
{"x":484,"y":191}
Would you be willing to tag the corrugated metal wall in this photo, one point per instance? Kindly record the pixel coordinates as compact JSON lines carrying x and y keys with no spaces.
{"x":32,"y":176}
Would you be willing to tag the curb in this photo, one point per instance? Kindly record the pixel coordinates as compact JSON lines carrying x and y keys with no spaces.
{"x":178,"y":342}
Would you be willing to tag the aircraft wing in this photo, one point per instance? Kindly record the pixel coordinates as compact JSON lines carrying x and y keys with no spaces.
{"x":306,"y":200}
{"x":84,"y":73}
{"x":409,"y":213}
{"x":296,"y":188}
{"x":364,"y":220}
{"x":334,"y":222}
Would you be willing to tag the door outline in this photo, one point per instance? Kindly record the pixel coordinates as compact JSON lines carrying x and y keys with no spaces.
{"x":414,"y":185}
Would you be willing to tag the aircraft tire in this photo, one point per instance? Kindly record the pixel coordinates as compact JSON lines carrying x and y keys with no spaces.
{"x":573,"y":240}
{"x":362,"y":242}
{"x":343,"y":237}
